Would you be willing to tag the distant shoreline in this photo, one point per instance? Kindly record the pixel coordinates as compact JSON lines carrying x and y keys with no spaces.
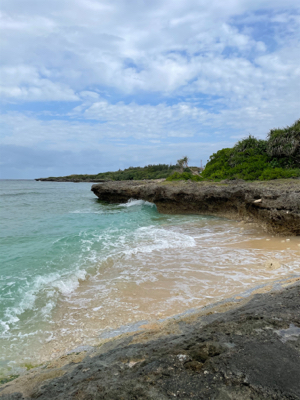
{"x":71,"y":180}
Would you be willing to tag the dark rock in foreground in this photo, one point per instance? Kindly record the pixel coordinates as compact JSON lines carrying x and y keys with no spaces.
{"x":274,"y":205}
{"x":250,"y":352}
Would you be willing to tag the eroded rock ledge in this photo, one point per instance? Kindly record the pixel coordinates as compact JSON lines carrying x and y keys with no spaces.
{"x":274,"y":205}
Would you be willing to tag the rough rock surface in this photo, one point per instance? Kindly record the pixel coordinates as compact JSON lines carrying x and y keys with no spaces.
{"x":249,"y":352}
{"x":274,"y":205}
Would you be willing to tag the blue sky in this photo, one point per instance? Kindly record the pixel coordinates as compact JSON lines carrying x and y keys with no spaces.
{"x":89,"y":86}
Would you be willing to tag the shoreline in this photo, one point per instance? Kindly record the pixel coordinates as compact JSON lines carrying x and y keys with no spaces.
{"x":170,"y":288}
{"x":124,"y":355}
{"x":148,"y":331}
{"x":70,"y":180}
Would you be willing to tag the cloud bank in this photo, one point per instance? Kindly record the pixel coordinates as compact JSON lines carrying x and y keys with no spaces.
{"x":98,"y":85}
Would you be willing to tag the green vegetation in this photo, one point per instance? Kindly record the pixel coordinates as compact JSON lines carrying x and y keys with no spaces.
{"x":184,"y":172}
{"x":183,"y":164}
{"x":284,"y":146}
{"x":7,"y":378}
{"x":254,"y":159}
{"x":137,"y":173}
{"x":132,"y":173}
{"x":250,"y":159}
{"x":29,"y":366}
{"x":177,"y":176}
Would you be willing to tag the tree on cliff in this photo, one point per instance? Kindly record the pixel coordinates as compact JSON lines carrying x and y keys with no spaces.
{"x":183,"y":163}
{"x":284,"y":145}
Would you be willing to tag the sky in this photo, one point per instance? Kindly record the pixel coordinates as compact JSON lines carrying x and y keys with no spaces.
{"x":89,"y":86}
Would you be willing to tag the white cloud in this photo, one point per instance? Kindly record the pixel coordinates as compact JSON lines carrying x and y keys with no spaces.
{"x":130,"y":46}
{"x":26,"y":83}
{"x":151,"y":71}
{"x":96,"y":122}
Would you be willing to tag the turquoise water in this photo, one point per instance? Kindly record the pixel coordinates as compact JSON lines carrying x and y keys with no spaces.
{"x":72,"y":267}
{"x":52,"y":236}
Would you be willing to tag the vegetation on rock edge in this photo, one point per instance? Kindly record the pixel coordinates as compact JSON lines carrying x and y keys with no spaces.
{"x":254,"y":159}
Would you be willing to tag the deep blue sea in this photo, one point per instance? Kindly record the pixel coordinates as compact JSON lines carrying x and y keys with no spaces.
{"x":72,"y":267}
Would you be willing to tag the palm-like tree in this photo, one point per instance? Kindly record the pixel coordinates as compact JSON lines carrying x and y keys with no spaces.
{"x":285,"y":143}
{"x":183,"y":163}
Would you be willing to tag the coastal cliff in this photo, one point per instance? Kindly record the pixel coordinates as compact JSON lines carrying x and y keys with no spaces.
{"x":274,"y":205}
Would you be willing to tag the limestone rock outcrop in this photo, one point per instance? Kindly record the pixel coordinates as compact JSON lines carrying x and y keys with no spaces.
{"x":274,"y":205}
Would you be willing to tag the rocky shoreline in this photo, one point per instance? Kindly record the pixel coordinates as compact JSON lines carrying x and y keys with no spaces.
{"x":274,"y":205}
{"x":239,"y":351}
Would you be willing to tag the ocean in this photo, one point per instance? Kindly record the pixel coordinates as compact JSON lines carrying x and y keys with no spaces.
{"x":73,"y":268}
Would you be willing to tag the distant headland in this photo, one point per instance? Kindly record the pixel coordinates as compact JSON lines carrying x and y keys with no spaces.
{"x":251,"y":159}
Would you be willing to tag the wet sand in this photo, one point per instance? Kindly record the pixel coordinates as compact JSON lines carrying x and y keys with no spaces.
{"x":239,"y":349}
{"x":156,"y":285}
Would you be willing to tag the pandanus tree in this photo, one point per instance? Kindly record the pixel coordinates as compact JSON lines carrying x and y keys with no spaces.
{"x":183,"y":163}
{"x":285,"y":144}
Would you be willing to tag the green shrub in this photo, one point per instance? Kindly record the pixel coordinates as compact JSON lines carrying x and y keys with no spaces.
{"x":251,"y":146}
{"x":177,"y":176}
{"x":217,"y":164}
{"x":279,"y":173}
{"x":284,"y":145}
{"x":252,"y":159}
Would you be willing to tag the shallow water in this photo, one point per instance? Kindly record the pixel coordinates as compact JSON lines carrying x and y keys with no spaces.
{"x":73,"y":267}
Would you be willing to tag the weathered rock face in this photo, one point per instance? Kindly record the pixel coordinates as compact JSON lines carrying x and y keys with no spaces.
{"x":273,"y":205}
{"x":250,"y":352}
